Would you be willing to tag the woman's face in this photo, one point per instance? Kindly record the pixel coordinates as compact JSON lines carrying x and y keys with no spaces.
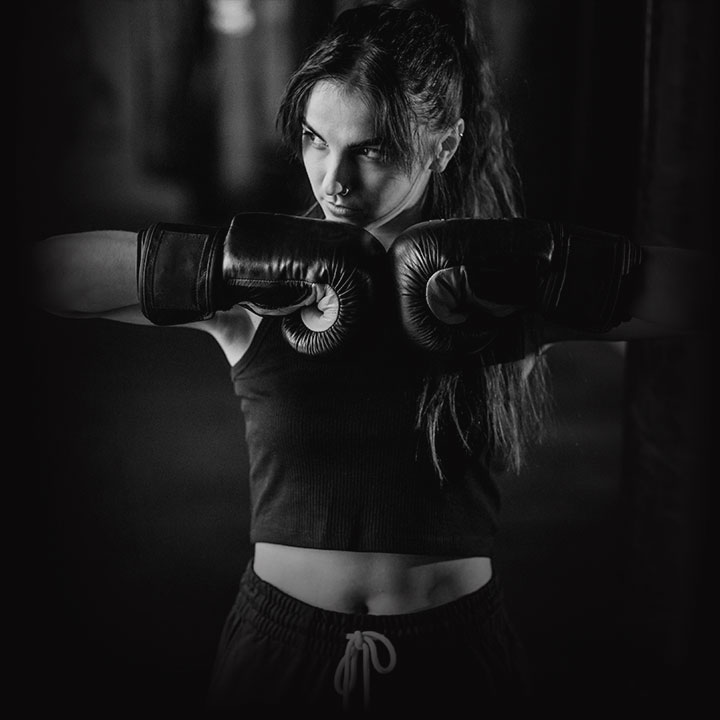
{"x":339,"y":151}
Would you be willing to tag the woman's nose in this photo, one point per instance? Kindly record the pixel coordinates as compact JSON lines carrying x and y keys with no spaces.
{"x":335,"y":178}
{"x":332,"y":186}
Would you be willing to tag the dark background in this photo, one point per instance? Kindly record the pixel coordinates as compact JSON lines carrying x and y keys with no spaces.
{"x":133,"y":534}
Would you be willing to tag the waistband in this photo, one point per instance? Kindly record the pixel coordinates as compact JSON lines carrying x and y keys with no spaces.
{"x":283,"y":617}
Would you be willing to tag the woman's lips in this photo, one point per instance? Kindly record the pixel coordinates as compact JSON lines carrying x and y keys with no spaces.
{"x":342,"y":211}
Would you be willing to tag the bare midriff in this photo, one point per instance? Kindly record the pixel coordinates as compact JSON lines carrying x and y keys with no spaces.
{"x":373,"y":583}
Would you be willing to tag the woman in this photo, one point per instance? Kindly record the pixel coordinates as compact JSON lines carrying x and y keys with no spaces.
{"x":373,"y":474}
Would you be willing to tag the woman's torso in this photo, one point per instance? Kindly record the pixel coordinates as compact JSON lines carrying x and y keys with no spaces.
{"x":374,"y":583}
{"x":361,"y":582}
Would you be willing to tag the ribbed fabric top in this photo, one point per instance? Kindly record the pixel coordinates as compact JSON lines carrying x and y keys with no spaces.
{"x":336,"y":461}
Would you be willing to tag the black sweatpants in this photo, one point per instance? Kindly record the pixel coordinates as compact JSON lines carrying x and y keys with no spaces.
{"x":276,"y":651}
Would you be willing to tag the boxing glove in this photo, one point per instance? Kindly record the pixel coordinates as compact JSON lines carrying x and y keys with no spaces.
{"x":463,"y":285}
{"x":316,"y":273}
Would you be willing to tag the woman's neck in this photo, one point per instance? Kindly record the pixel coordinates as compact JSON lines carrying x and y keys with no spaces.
{"x":386,"y":232}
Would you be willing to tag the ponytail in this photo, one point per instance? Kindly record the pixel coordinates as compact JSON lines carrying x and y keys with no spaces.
{"x":483,"y":181}
{"x":512,"y":400}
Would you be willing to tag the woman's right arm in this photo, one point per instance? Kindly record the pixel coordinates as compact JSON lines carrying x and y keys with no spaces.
{"x":87,"y":275}
{"x":94,"y":275}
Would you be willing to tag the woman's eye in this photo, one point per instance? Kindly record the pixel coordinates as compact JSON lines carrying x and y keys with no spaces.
{"x":310,"y":137}
{"x":371,"y":152}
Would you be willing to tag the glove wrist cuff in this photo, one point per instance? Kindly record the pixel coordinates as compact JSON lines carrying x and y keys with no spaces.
{"x":590,"y":281}
{"x":179,"y":272}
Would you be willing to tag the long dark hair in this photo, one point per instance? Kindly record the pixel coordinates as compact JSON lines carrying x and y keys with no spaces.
{"x":425,"y":64}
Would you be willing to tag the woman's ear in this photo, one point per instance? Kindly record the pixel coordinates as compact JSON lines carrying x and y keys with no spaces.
{"x":447,"y":146}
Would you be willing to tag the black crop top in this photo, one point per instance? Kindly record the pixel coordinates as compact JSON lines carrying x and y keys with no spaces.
{"x":336,"y":461}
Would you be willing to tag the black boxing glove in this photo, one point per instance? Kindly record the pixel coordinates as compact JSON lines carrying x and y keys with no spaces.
{"x":317,"y":273}
{"x":463,"y":285}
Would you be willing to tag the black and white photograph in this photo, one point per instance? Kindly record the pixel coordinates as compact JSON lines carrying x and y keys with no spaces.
{"x":365,"y":361}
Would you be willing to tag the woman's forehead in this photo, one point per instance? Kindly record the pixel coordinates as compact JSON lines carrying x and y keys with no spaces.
{"x":341,"y":111}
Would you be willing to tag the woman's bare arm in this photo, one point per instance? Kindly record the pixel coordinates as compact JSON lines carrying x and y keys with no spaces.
{"x":88,"y":274}
{"x":94,"y":275}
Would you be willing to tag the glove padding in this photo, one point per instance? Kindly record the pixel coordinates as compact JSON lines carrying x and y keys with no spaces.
{"x":467,"y":285}
{"x":316,"y":273}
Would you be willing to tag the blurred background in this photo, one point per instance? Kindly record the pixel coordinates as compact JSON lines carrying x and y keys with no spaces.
{"x":133,"y":534}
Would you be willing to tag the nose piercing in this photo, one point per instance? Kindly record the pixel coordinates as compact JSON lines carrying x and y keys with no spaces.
{"x":344,"y":191}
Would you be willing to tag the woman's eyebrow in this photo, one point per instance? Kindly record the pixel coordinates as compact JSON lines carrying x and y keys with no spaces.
{"x":309,"y":127}
{"x":370,"y":142}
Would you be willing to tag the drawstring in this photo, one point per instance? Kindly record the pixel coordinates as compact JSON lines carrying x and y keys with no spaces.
{"x":346,"y":673}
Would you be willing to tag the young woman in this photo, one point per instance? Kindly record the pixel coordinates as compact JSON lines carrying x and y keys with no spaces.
{"x":372,"y":472}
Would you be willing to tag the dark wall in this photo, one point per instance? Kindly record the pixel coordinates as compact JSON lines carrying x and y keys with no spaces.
{"x":671,"y":399}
